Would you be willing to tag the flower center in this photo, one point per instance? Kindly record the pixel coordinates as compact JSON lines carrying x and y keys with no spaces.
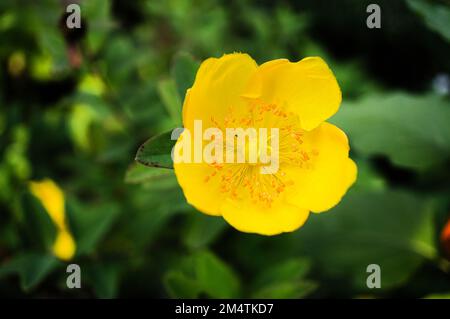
{"x":251,"y":150}
{"x":240,"y":180}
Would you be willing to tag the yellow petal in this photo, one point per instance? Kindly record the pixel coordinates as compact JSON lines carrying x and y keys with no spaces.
{"x":248,"y":217}
{"x":64,"y":246}
{"x":200,"y":190}
{"x":217,"y":88}
{"x":321,"y":184}
{"x":205,"y":196}
{"x":307,"y":88}
{"x":51,"y":198}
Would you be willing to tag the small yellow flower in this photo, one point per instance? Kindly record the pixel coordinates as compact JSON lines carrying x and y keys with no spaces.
{"x":314,"y":168}
{"x":64,"y":246}
{"x":52,"y":199}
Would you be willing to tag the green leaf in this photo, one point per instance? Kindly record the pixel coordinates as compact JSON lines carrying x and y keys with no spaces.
{"x":173,"y":90}
{"x":138,"y":173}
{"x":104,"y":279}
{"x":53,"y":46}
{"x":202,"y":230}
{"x":168,"y":93}
{"x":178,"y":285}
{"x":286,"y":290}
{"x":285,"y":280}
{"x":368,"y":177}
{"x":32,"y":268}
{"x":215,"y":277}
{"x":412,"y":131}
{"x":156,"y":151}
{"x":438,"y":296}
{"x":183,"y":72}
{"x":202,"y":273}
{"x":288,"y":270}
{"x":97,"y":13}
{"x":80,"y":121}
{"x":90,"y":224}
{"x":436,"y":16}
{"x":392,"y":229}
{"x":150,"y":213}
{"x":39,"y":229}
{"x":167,"y":182}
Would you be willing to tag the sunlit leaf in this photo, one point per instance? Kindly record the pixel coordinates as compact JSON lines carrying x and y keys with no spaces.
{"x":53,"y":46}
{"x":80,"y":120}
{"x":98,"y":19}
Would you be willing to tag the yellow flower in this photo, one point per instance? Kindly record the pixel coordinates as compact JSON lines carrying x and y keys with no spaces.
{"x":64,"y":246}
{"x":52,"y":199}
{"x":314,"y":168}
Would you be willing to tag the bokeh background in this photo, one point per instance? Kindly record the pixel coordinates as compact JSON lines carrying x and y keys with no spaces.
{"x":76,"y":104}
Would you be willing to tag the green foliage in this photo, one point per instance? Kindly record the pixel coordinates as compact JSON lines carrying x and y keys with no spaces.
{"x":436,"y":16}
{"x":98,"y":15}
{"x":104,"y":279}
{"x":169,"y":96}
{"x":202,"y":273}
{"x":391,"y":229}
{"x":183,"y":71}
{"x":438,"y":296}
{"x":202,"y":230}
{"x":285,"y":280}
{"x":286,"y":290}
{"x":138,"y":173}
{"x":156,"y":151}
{"x":91,"y":224}
{"x":31,"y":268}
{"x":415,"y":129}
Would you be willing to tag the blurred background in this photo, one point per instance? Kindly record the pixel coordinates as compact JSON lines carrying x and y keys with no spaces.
{"x":75,"y":104}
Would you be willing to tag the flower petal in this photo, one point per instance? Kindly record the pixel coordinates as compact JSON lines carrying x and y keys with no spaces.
{"x":205,"y":196}
{"x":248,"y":217}
{"x":322,"y":183}
{"x":51,"y":198}
{"x":64,"y":246}
{"x":194,"y":178}
{"x":217,"y":87}
{"x":307,"y":88}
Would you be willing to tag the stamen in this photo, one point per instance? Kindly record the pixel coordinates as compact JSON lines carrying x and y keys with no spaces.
{"x":245,"y":179}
